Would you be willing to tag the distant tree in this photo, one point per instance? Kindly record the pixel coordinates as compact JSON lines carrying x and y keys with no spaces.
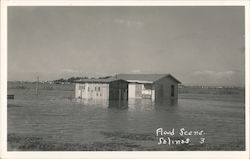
{"x":59,"y":80}
{"x":105,"y":77}
{"x":71,"y":79}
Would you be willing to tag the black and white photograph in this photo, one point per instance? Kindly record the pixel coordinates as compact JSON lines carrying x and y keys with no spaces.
{"x":126,"y":78}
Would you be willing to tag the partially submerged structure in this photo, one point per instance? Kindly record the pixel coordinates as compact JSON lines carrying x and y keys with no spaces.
{"x":152,"y":86}
{"x":129,"y":86}
{"x":111,"y":88}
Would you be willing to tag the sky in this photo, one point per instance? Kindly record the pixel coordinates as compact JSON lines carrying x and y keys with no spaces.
{"x":197,"y":45}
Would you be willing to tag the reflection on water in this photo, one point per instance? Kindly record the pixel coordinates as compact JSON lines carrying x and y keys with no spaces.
{"x":93,"y":102}
{"x":170,"y":102}
{"x":135,"y":103}
{"x":120,"y":104}
{"x":59,"y":118}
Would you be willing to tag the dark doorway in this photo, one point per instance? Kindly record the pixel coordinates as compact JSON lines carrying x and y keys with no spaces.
{"x":160,"y":95}
{"x":172,"y":90}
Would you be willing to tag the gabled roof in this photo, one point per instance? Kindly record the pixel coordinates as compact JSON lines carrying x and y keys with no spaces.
{"x":133,"y":78}
{"x":144,"y":78}
{"x":107,"y":80}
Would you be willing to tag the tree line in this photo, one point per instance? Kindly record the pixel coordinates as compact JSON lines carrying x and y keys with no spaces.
{"x":73,"y":79}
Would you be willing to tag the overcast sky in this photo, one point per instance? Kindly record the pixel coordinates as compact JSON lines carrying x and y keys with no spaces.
{"x":198,"y":45}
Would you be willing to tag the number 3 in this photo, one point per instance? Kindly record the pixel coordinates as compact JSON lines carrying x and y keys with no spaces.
{"x":202,"y":140}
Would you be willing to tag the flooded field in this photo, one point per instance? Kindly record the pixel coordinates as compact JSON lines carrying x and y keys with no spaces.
{"x":54,"y":120}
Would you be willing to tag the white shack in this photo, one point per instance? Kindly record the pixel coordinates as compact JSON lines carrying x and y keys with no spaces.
{"x":111,"y":88}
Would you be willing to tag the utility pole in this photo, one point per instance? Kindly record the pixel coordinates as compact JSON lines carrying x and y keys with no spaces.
{"x":37,"y":85}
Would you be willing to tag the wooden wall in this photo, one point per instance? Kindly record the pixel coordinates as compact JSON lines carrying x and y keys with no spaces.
{"x":92,"y":90}
{"x":163,"y":88}
{"x":118,"y":90}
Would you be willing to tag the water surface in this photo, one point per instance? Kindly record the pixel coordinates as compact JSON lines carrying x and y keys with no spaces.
{"x":57,"y":116}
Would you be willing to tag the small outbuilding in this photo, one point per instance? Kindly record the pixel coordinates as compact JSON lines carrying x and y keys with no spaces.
{"x":152,"y":86}
{"x":111,"y":88}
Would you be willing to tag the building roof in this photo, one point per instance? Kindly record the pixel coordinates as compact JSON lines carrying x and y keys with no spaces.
{"x":95,"y":80}
{"x":133,"y":78}
{"x":144,"y":78}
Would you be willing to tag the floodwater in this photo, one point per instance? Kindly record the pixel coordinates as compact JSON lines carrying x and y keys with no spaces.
{"x":57,"y":116}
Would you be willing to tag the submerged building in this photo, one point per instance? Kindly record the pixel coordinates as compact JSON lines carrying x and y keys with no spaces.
{"x":111,"y":88}
{"x":152,"y":86}
{"x":129,"y":86}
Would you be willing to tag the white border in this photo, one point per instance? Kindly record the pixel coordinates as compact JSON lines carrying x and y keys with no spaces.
{"x":118,"y":154}
{"x":124,"y":3}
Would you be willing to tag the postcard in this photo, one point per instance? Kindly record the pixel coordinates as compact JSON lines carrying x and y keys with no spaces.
{"x":137,"y":79}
